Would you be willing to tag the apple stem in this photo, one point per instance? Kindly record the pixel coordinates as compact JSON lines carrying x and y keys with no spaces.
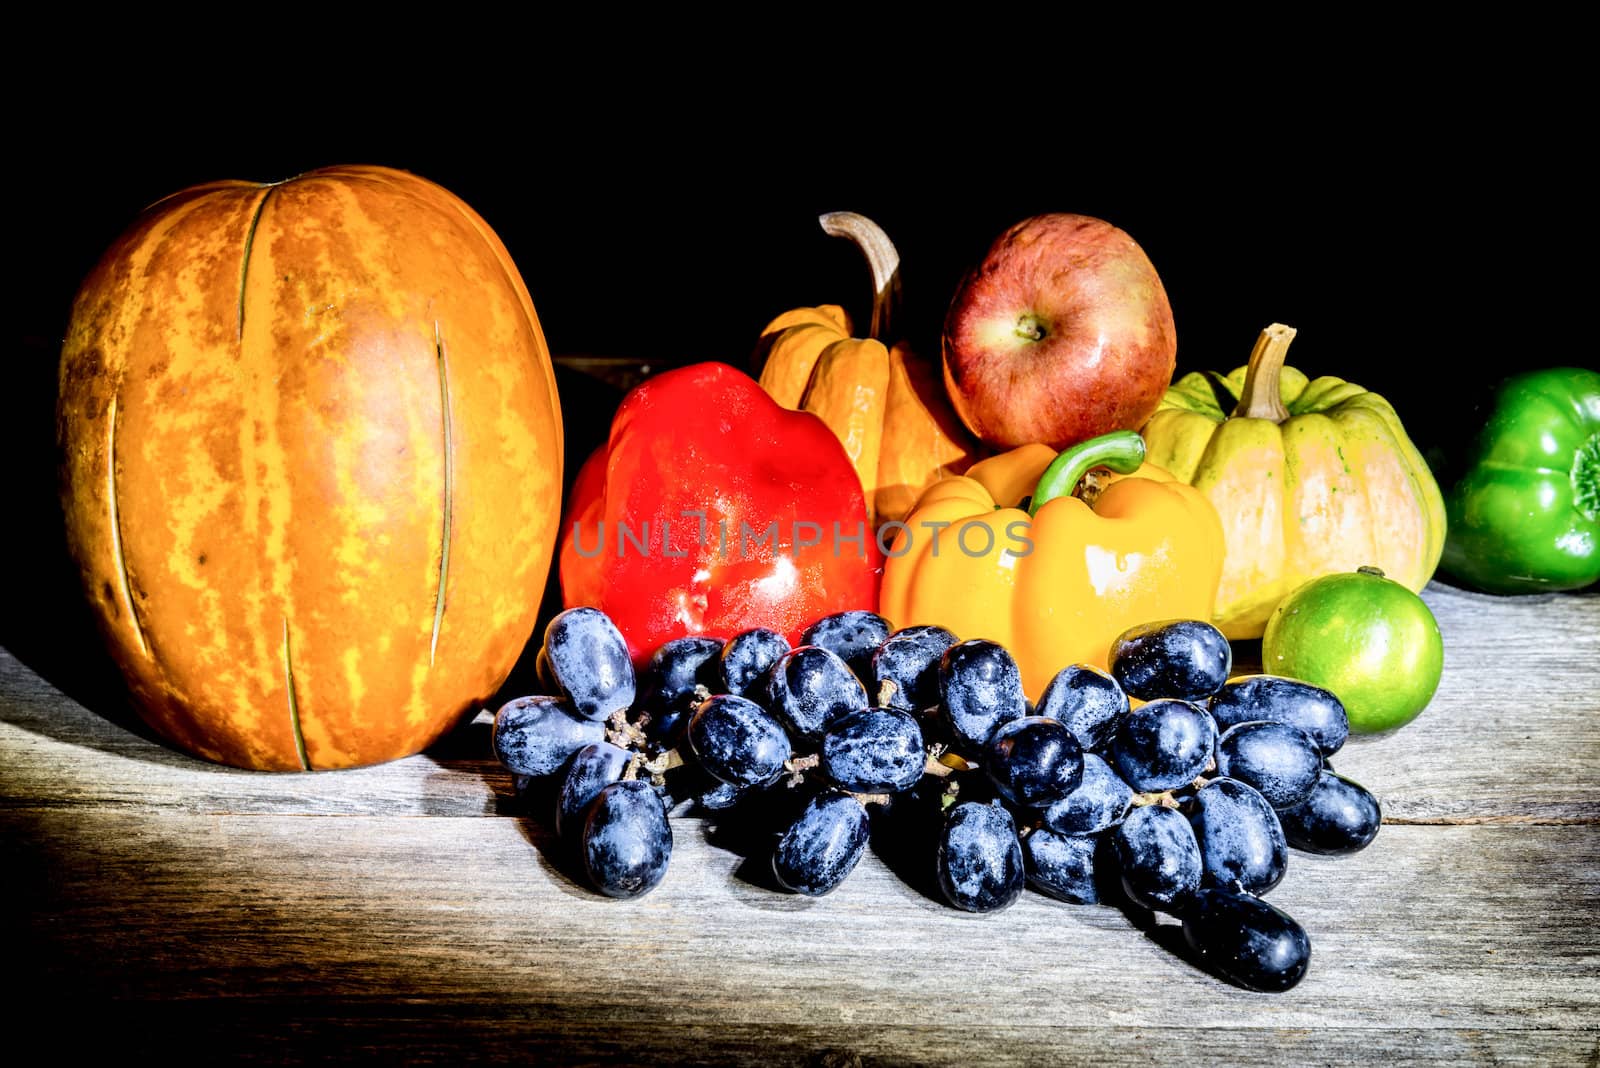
{"x":1030,"y":327}
{"x":1121,"y":450}
{"x":882,"y":259}
{"x":1262,"y":397}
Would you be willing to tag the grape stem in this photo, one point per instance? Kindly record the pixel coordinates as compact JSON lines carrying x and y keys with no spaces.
{"x":797,"y":766}
{"x":661,"y":763}
{"x":622,"y":734}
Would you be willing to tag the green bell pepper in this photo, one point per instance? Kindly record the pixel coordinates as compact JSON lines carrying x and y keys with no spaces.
{"x":1524,"y":506}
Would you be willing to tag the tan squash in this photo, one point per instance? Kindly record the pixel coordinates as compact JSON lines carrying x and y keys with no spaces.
{"x":886,"y":405}
{"x":849,"y":390}
{"x":791,"y":345}
{"x":1309,"y":478}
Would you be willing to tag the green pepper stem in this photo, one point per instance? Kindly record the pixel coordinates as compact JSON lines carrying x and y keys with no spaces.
{"x":1586,"y":477}
{"x":1120,"y":450}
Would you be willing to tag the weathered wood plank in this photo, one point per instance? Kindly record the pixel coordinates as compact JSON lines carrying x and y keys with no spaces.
{"x":297,"y":917}
{"x":58,"y":752}
{"x":1431,"y":928}
{"x":1511,"y":736}
{"x":339,"y":1031}
{"x":1514,"y":731}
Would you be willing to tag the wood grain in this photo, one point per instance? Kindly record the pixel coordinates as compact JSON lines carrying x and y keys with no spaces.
{"x":415,"y":911}
{"x":1511,"y":736}
{"x":463,"y":911}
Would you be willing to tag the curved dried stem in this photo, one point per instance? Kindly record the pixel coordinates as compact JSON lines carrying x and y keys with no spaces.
{"x":882,"y":259}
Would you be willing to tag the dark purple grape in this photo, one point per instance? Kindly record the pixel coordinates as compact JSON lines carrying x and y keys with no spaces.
{"x":1062,"y":865}
{"x":747,"y":658}
{"x":668,"y":685}
{"x":908,"y":661}
{"x":1246,"y":940}
{"x":1183,"y":658}
{"x":722,"y":795}
{"x":1099,"y":802}
{"x":980,"y":688}
{"x":1280,"y":761}
{"x":1339,"y":816}
{"x":851,"y":636}
{"x":1034,"y":761}
{"x":822,"y":846}
{"x":1158,"y":858}
{"x":1241,"y":844}
{"x":535,"y":735}
{"x":809,"y":687}
{"x":589,"y":661}
{"x":1273,"y":697}
{"x":874,"y":750}
{"x":694,"y":790}
{"x":541,"y":669}
{"x":627,"y":839}
{"x":1163,"y":745}
{"x":980,"y":859}
{"x":592,"y":769}
{"x":1088,"y":701}
{"x":737,"y":740}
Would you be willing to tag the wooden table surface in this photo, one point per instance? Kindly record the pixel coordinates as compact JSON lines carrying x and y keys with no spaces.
{"x":412,"y":912}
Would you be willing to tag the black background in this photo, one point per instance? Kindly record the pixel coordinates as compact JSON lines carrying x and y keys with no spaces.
{"x":1424,"y":229}
{"x":1417,"y":238}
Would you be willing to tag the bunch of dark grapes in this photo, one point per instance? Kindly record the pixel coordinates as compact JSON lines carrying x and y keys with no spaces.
{"x":1186,"y":805}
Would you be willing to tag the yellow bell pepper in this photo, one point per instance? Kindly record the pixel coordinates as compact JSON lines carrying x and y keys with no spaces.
{"x":1055,"y":584}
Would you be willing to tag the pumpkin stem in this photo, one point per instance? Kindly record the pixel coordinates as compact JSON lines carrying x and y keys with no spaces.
{"x":1261,"y":397}
{"x":882,"y":259}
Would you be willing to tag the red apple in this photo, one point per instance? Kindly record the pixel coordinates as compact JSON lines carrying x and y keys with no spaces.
{"x":1063,"y":332}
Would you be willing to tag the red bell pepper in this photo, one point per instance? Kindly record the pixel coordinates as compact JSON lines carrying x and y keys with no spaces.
{"x":712,"y":510}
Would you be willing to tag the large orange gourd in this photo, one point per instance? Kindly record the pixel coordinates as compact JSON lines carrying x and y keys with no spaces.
{"x":311,"y":465}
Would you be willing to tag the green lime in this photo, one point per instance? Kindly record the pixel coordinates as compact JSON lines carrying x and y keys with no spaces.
{"x":1366,"y":638}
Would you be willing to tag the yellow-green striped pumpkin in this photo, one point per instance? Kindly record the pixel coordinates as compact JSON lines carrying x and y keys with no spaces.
{"x":1309,"y":477}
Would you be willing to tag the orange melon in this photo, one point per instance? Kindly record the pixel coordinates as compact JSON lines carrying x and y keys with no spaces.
{"x":311,"y":465}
